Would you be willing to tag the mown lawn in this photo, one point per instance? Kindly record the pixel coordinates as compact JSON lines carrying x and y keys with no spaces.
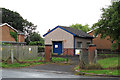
{"x":18,"y":65}
{"x":106,"y":72}
{"x":106,"y":64}
{"x":109,"y":62}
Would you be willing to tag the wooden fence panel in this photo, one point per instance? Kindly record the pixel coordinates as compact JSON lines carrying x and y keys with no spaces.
{"x":20,"y":52}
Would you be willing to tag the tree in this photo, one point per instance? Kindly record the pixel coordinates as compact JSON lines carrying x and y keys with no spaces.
{"x":35,"y":39}
{"x":28,"y":28}
{"x":15,"y":20}
{"x":84,"y":28}
{"x":12,"y":18}
{"x":109,"y":24}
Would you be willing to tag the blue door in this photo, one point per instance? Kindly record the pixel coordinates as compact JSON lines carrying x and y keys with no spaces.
{"x":57,"y":47}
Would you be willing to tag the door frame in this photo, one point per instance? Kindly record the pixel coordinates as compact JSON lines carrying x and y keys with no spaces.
{"x":53,"y":46}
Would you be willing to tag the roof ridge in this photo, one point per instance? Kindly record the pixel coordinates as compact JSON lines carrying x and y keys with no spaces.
{"x":73,"y":31}
{"x":77,"y":32}
{"x":11,"y":28}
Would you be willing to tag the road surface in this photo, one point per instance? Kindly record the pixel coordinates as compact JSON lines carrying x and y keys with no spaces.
{"x":34,"y":73}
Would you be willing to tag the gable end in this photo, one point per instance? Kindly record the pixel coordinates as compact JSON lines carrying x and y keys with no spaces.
{"x":60,"y":28}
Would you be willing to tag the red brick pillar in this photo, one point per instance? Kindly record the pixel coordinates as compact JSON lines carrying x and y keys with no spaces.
{"x":48,"y":51}
{"x":91,"y":55}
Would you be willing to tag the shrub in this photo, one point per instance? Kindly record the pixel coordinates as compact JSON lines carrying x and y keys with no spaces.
{"x":58,"y":59}
{"x":40,"y":43}
{"x":40,"y":49}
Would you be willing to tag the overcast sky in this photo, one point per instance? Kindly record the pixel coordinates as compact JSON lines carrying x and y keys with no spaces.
{"x":47,"y":14}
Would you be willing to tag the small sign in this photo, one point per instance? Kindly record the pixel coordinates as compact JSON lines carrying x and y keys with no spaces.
{"x":29,"y":50}
{"x":56,"y":46}
{"x":1,"y":49}
{"x":77,"y":52}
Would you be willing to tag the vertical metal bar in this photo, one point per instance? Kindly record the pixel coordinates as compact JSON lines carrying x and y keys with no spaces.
{"x":12,"y":55}
{"x":74,"y":45}
{"x":95,"y":59}
{"x":67,"y":55}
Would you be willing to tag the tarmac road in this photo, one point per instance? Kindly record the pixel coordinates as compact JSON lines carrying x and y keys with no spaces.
{"x":37,"y":74}
{"x":34,"y":73}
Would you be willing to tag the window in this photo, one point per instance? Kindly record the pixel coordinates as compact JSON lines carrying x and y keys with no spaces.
{"x":79,"y":44}
{"x":56,"y":46}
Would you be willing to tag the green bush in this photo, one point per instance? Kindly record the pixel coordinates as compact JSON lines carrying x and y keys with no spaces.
{"x":6,"y":44}
{"x":40,"y":49}
{"x":58,"y":59}
{"x":40,"y":43}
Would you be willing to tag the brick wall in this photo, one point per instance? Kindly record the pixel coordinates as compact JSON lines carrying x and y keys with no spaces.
{"x":91,"y":55}
{"x":5,"y":30}
{"x":70,"y":51}
{"x":20,"y":38}
{"x":48,"y":50}
{"x":6,"y":34}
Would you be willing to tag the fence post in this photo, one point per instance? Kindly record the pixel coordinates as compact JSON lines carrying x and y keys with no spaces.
{"x":12,"y":59}
{"x":48,"y":52}
{"x":83,"y":58}
{"x":92,"y":56}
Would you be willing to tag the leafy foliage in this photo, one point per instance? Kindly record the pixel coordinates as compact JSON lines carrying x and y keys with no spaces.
{"x":84,"y":28}
{"x":41,"y":49}
{"x":28,"y":28}
{"x":40,"y":43}
{"x":58,"y":59}
{"x":35,"y":39}
{"x":14,"y":35}
{"x":12,"y":18}
{"x":15,"y":20}
{"x":109,"y":24}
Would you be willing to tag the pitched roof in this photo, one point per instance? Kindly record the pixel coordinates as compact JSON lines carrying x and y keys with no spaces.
{"x":89,"y":31}
{"x":73,"y":31}
{"x":77,"y":32}
{"x":18,"y":31}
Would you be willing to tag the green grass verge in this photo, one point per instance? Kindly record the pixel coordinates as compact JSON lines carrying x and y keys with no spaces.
{"x":54,"y":59}
{"x":109,"y":62}
{"x":108,"y":54}
{"x":105,"y":63}
{"x":106,"y":72}
{"x":38,"y":58}
{"x":17,"y":65}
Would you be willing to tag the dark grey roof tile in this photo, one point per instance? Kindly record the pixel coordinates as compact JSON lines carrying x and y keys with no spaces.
{"x":77,"y":32}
